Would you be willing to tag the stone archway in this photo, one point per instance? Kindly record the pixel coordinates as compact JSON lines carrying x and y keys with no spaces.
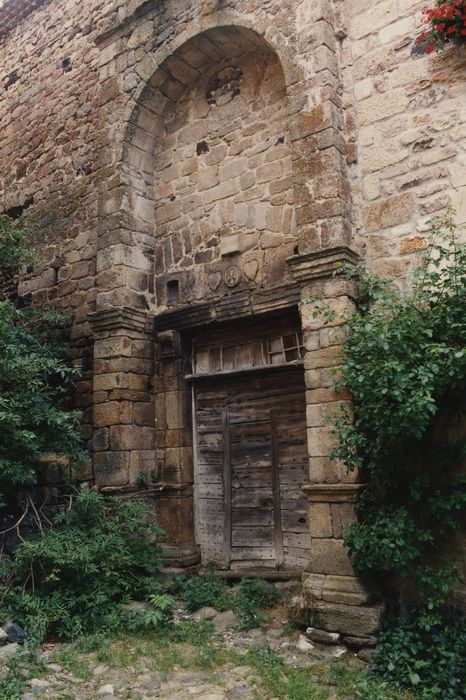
{"x":208,"y":155}
{"x":125,"y":260}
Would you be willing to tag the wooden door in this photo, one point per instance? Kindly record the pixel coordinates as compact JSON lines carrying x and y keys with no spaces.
{"x":251,"y":461}
{"x":252,"y":501}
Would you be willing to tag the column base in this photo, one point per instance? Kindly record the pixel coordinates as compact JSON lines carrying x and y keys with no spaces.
{"x":181,"y":556}
{"x":349,"y":620}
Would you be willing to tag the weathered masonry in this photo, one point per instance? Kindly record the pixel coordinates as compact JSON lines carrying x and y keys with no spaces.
{"x":199,"y":169}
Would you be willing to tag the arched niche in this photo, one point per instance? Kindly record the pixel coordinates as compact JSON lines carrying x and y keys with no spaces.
{"x":208,"y":165}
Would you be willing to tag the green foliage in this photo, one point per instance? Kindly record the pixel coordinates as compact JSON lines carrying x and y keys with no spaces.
{"x":406,"y":369}
{"x":71,"y":579}
{"x":207,"y":590}
{"x":15,"y":244}
{"x":36,"y":425}
{"x":405,"y":365}
{"x":16,"y":673}
{"x":253,"y":596}
{"x":159,"y":614}
{"x":352,"y":682}
{"x":282,"y":681}
{"x":428,"y":658}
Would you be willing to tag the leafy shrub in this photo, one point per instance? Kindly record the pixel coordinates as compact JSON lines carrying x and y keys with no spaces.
{"x":429,"y":659}
{"x":15,"y":244}
{"x":204,"y":591}
{"x":208,"y":590}
{"x":253,"y":596}
{"x":35,"y":383}
{"x":71,"y":579}
{"x":158,"y":614}
{"x":405,"y":366}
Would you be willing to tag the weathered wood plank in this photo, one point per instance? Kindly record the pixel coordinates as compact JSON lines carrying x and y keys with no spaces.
{"x":247,"y":498}
{"x":227,"y":477}
{"x":295,"y":521}
{"x":297,"y":539}
{"x":276,"y":492}
{"x":251,"y":536}
{"x":253,"y":516}
{"x":253,"y":553}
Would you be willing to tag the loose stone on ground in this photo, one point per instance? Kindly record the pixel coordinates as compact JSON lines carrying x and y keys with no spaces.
{"x":230,"y":680}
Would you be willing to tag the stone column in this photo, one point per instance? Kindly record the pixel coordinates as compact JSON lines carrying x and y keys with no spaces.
{"x":123,"y":401}
{"x":331,"y":587}
{"x":175,"y":450}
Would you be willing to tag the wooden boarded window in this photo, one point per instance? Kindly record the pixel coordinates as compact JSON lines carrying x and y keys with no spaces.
{"x":272,"y":350}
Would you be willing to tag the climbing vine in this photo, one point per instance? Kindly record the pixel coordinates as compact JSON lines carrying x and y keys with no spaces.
{"x":405,"y":365}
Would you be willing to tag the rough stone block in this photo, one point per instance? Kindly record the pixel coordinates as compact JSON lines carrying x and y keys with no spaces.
{"x":111,"y":468}
{"x":351,"y":620}
{"x":389,"y":212}
{"x":329,"y":556}
{"x":382,"y":106}
{"x":113,"y":413}
{"x":322,"y":636}
{"x":230,"y":245}
{"x":131,"y":437}
{"x":320,"y":521}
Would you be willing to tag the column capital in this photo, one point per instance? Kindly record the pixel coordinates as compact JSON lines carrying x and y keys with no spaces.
{"x":332,"y":493}
{"x":321,"y":264}
{"x":124,"y":318}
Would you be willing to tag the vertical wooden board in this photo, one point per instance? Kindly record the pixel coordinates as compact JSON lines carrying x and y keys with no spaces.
{"x":227,"y":479}
{"x":256,"y":493}
{"x":277,"y":516}
{"x":251,"y":474}
{"x":209,"y":479}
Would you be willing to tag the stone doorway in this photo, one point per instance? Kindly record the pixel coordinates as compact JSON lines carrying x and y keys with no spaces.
{"x":250,"y":450}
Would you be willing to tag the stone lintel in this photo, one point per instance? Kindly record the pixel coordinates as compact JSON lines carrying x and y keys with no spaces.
{"x":321,"y":264}
{"x":131,"y":489}
{"x":119,"y":318}
{"x":235,"y":306}
{"x":332,"y":493}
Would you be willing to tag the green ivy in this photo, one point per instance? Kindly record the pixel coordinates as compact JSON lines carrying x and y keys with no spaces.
{"x":428,"y":658}
{"x":405,"y":366}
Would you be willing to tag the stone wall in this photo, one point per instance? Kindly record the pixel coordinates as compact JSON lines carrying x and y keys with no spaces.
{"x":174,"y":155}
{"x":49,"y":136}
{"x":406,"y":124}
{"x":223,"y":188}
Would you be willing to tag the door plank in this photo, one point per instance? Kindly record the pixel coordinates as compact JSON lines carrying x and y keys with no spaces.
{"x":276,"y":492}
{"x":227,"y":485}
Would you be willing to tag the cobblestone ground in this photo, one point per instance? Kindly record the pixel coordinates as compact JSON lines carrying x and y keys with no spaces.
{"x":209,"y":660}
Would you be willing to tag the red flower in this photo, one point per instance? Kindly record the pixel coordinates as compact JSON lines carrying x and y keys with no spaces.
{"x":441,"y":26}
{"x":451,"y":30}
{"x":429,"y":48}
